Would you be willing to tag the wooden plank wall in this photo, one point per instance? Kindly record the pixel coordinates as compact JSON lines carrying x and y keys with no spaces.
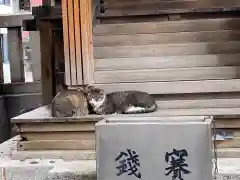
{"x":186,"y":63}
{"x":77,"y":28}
{"x":159,"y":56}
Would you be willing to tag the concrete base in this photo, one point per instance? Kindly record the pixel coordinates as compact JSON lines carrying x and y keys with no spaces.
{"x":58,"y":169}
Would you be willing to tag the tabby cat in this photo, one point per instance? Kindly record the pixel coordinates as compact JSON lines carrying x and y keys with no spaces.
{"x":70,"y":103}
{"x":121,"y":102}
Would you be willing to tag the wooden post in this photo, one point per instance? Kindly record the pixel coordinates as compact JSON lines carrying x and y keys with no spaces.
{"x":15,"y":54}
{"x":47,"y":64}
{"x":86,"y":37}
{"x":1,"y":59}
{"x":35,"y":55}
{"x":77,"y":28}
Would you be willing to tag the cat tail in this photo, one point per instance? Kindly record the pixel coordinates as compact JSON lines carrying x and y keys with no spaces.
{"x":152,"y":108}
{"x":51,"y":107}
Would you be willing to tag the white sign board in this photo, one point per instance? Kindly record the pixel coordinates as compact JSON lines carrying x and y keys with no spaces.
{"x":154,"y":148}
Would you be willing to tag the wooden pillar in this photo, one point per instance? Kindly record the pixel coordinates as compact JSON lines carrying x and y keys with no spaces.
{"x":86,"y":37}
{"x":77,"y":28}
{"x":35,"y":54}
{"x":47,"y":64}
{"x":15,"y":54}
{"x":1,"y":59}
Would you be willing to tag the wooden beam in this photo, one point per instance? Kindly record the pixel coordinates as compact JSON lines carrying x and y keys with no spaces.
{"x":47,"y":64}
{"x":35,"y":54}
{"x":166,"y":7}
{"x":66,"y":42}
{"x":78,"y":43}
{"x":14,"y":20}
{"x":72,"y":42}
{"x":1,"y":60}
{"x":19,"y":88}
{"x":77,"y":28}
{"x":86,"y":37}
{"x":15,"y":54}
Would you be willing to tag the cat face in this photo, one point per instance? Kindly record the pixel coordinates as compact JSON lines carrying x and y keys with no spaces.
{"x":96,"y":97}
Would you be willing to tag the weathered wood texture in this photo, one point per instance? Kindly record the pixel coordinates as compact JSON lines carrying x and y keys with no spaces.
{"x":1,"y":60}
{"x":56,"y":127}
{"x":186,"y":56}
{"x":15,"y":54}
{"x":77,"y":28}
{"x":169,"y":26}
{"x":35,"y":54}
{"x":47,"y":63}
{"x":59,"y":134}
{"x":85,"y":144}
{"x":133,"y":7}
{"x":46,"y":123}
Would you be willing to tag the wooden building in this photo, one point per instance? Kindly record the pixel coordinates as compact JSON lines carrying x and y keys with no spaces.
{"x":184,"y":52}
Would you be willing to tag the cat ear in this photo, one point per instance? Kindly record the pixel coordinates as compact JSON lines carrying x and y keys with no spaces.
{"x":85,"y":89}
{"x":81,"y":89}
{"x":101,"y":91}
{"x":88,"y":88}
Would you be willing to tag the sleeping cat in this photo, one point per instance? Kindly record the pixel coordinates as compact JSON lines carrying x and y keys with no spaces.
{"x":70,"y":103}
{"x":121,"y":102}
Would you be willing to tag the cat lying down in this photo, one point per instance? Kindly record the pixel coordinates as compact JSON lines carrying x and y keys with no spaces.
{"x":121,"y":102}
{"x":82,"y":101}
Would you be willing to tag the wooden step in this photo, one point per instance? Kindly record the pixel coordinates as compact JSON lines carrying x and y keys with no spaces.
{"x":166,"y":38}
{"x":233,"y":143}
{"x":56,"y":127}
{"x":58,"y":135}
{"x":86,"y":144}
{"x":169,"y":26}
{"x":149,"y":8}
{"x":178,"y":87}
{"x":167,"y":50}
{"x":162,"y":62}
{"x":161,"y":75}
{"x":202,"y":101}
